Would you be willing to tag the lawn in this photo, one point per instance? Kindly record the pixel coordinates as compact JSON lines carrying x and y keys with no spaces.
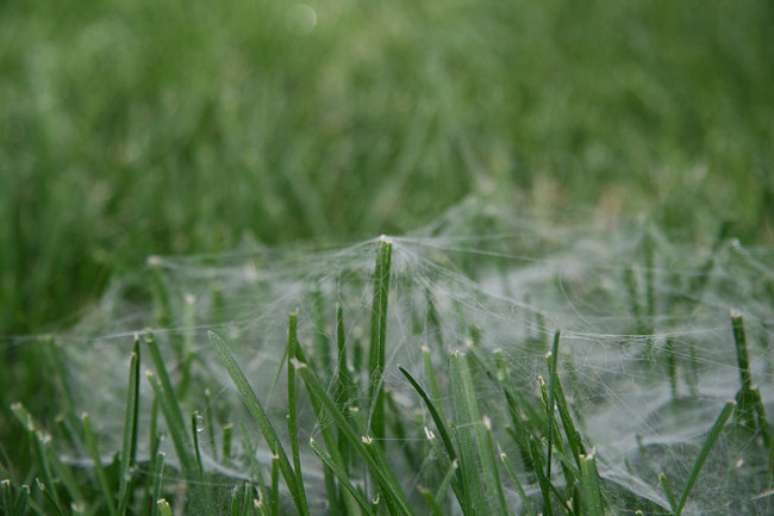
{"x":603,"y":169}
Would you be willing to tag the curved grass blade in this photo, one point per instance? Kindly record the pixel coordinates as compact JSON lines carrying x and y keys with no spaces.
{"x":363,"y":445}
{"x":342,"y":476}
{"x":709,"y":443}
{"x":254,"y":407}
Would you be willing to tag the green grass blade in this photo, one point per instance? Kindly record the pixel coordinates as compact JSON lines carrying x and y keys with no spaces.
{"x":292,"y":416}
{"x":210,"y":423}
{"x":228,"y":433}
{"x":344,"y":386}
{"x":466,"y":420}
{"x":342,"y":476}
{"x":552,"y":363}
{"x":376,"y":355}
{"x":528,"y":509}
{"x":178,"y":431}
{"x":709,"y":443}
{"x":195,"y":437}
{"x":157,"y":477}
{"x":275,"y":503}
{"x":492,"y":464}
{"x":92,"y":446}
{"x":363,"y":445}
{"x":440,"y":424}
{"x":321,"y":340}
{"x":40,"y":449}
{"x":666,"y":486}
{"x":295,"y":353}
{"x":254,"y":407}
{"x":164,"y":508}
{"x":129,"y":449}
{"x":591,"y":494}
{"x":170,"y":407}
{"x":432,"y":504}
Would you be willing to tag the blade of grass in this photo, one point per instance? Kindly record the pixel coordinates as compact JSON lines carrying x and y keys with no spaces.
{"x":179,"y":433}
{"x":129,"y":449}
{"x":254,"y":407}
{"x":164,"y":508}
{"x":322,"y":343}
{"x":466,"y":418}
{"x":291,"y":371}
{"x":709,"y":443}
{"x":376,"y":352}
{"x":517,"y":484}
{"x":294,"y":352}
{"x":344,"y":387}
{"x":671,"y":367}
{"x":228,"y":431}
{"x":492,"y":461}
{"x":383,"y":475}
{"x":40,"y":443}
{"x":443,"y":430}
{"x":157,"y":476}
{"x":552,"y":362}
{"x":210,"y":423}
{"x":591,"y":494}
{"x":92,"y":446}
{"x":165,"y":393}
{"x":195,"y":437}
{"x":342,"y":476}
{"x":440,"y":424}
{"x":666,"y":486}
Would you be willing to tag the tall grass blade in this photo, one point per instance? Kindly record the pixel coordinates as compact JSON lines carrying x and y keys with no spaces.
{"x":254,"y":407}
{"x":129,"y":449}
{"x":376,"y":355}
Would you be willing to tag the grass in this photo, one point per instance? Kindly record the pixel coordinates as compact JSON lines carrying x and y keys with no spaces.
{"x":132,"y":128}
{"x":555,"y":468}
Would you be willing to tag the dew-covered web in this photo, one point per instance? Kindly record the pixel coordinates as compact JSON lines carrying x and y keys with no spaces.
{"x":647,"y":355}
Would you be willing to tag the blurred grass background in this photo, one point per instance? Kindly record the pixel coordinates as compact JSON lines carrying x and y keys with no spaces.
{"x":133,"y":127}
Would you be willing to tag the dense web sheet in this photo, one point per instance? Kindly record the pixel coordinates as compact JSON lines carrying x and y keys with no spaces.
{"x":647,"y":355}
